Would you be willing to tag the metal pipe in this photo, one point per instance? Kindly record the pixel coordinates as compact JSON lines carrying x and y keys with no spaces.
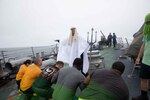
{"x":33,"y":53}
{"x":95,"y":36}
{"x":37,"y":55}
{"x":10,"y":59}
{"x":10,"y":65}
{"x":4,"y":56}
{"x":42,"y":54}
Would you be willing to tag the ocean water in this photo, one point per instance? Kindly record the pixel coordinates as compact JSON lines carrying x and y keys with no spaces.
{"x":17,"y":53}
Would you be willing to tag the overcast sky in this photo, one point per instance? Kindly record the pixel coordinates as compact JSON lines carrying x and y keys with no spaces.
{"x":39,"y":22}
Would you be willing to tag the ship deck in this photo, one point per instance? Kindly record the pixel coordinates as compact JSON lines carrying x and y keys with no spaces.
{"x":110,"y":55}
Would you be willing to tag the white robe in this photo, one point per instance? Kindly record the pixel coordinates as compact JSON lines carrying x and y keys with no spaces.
{"x":67,"y":53}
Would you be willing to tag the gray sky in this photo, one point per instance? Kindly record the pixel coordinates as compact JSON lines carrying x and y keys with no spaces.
{"x":39,"y":22}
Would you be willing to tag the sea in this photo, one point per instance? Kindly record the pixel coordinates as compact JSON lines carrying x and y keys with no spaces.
{"x":7,"y":54}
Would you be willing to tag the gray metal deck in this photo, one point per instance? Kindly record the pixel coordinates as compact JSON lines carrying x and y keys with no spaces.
{"x":110,"y":55}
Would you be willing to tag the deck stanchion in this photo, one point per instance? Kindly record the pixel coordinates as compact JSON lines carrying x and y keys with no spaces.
{"x":91,"y":41}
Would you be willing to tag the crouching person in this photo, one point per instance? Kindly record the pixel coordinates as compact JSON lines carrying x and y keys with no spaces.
{"x":67,"y":81}
{"x":42,"y":85}
{"x":106,"y":84}
{"x":21,"y":72}
{"x":31,"y":74}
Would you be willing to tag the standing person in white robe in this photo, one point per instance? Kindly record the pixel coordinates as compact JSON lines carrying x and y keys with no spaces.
{"x":74,"y":47}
